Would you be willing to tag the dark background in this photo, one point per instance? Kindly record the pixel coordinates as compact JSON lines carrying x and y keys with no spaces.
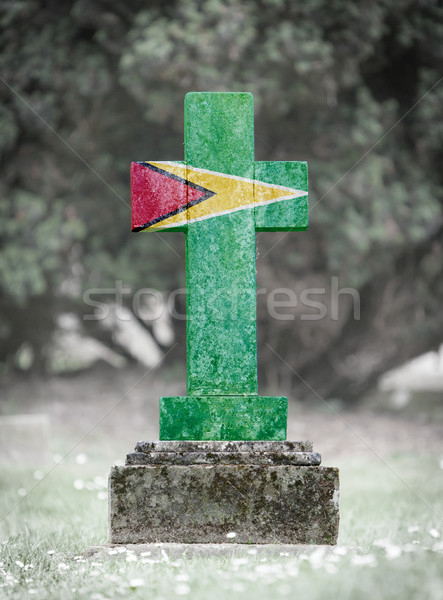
{"x":351,"y":87}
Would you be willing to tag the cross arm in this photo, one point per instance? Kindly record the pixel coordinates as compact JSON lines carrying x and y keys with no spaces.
{"x":160,"y":195}
{"x":290,"y":214}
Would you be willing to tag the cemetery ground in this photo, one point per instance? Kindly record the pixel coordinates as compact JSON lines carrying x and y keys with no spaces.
{"x":53,"y":499}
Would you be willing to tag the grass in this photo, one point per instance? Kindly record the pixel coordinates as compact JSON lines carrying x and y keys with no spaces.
{"x":385,"y":547}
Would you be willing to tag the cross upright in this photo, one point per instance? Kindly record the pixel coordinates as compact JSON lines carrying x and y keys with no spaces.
{"x":219,"y":197}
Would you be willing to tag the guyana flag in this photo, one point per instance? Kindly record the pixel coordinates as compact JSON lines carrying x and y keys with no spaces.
{"x":169,"y":195}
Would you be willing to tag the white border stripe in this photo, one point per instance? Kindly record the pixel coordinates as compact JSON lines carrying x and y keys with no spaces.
{"x":188,"y":168}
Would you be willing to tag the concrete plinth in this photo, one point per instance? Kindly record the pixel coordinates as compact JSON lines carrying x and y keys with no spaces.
{"x":199,"y":492}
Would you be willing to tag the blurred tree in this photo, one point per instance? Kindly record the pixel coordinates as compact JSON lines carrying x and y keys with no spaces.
{"x":88,"y":87}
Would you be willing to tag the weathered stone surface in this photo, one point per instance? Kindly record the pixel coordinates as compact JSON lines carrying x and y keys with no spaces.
{"x":224,"y":458}
{"x":223,"y":446}
{"x":202,"y":504}
{"x":220,"y":253}
{"x":219,"y":196}
{"x":223,"y":418}
{"x":287,"y":215}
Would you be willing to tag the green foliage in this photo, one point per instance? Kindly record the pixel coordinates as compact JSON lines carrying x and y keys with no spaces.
{"x":37,"y":239}
{"x":334,"y":84}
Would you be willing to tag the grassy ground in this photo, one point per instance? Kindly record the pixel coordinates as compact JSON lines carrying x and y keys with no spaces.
{"x":391,"y":536}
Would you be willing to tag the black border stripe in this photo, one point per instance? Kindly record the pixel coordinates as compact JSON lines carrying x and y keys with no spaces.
{"x":208,"y":194}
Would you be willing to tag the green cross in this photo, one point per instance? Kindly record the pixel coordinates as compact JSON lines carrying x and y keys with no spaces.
{"x":222,"y":401}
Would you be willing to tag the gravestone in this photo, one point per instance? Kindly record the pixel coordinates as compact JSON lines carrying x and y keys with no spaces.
{"x":222,"y":466}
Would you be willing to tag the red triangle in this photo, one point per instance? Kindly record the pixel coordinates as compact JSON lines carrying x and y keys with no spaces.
{"x":157,"y":194}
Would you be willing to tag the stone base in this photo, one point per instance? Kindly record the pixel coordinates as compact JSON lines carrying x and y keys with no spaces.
{"x":270,"y":494}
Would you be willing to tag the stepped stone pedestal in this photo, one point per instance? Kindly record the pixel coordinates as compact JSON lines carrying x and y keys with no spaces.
{"x":265,"y":492}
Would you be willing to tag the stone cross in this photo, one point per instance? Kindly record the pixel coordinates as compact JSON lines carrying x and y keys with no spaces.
{"x":219,"y":197}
